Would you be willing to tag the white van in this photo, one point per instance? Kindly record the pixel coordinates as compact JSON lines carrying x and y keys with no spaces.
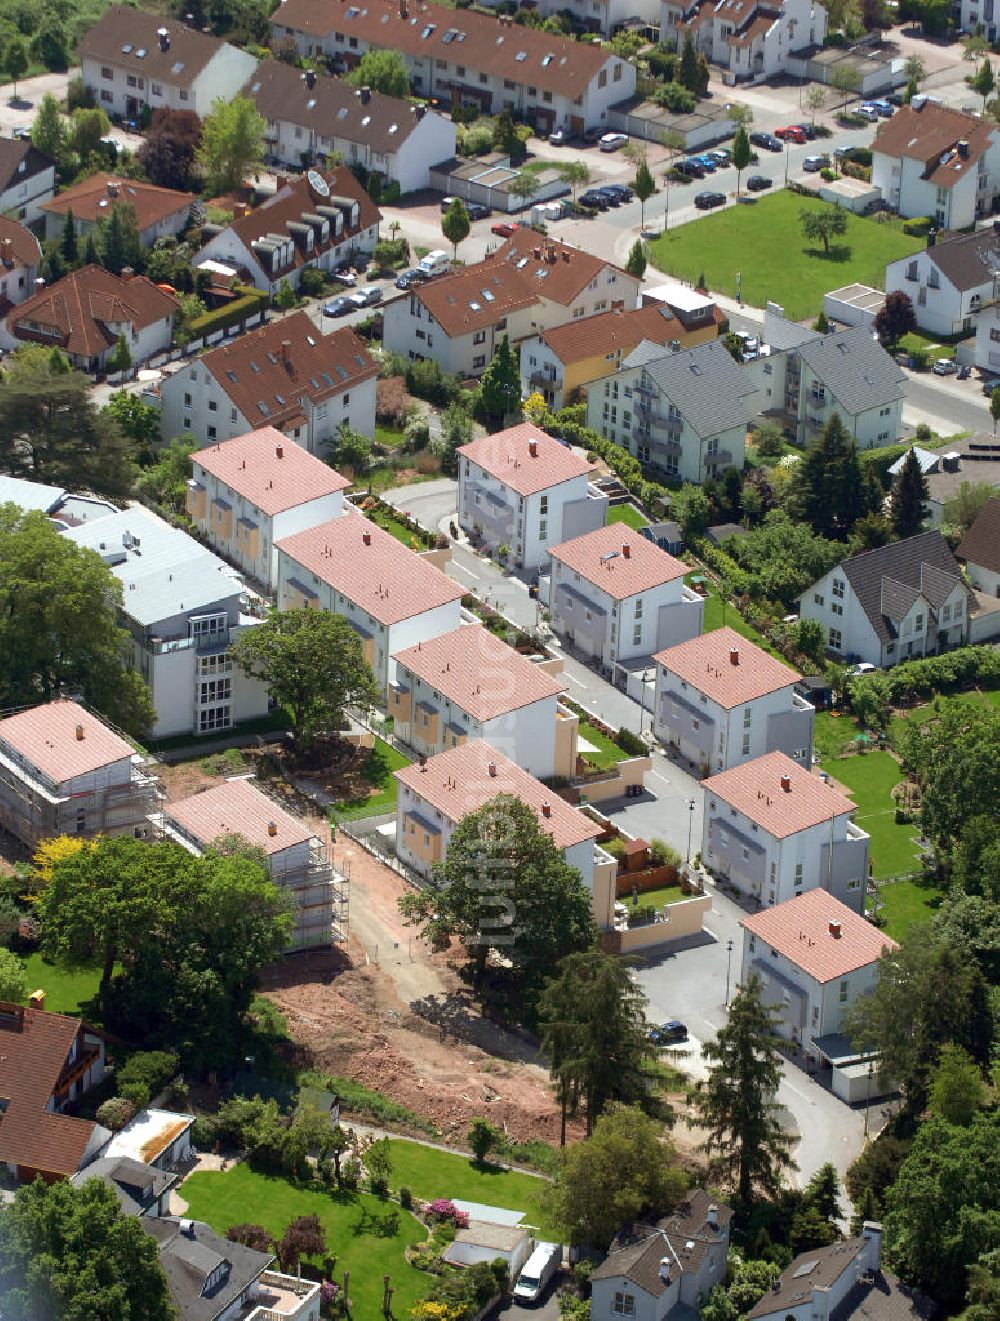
{"x":435,"y":263}
{"x":538,"y":1271}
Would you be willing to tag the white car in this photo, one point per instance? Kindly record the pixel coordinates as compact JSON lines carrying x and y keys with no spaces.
{"x":868,"y":111}
{"x":612,"y":141}
{"x":945,"y":367}
{"x":863,"y":667}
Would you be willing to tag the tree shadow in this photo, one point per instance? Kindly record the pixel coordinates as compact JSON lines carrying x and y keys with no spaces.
{"x":839,"y":252}
{"x":379,"y":1224}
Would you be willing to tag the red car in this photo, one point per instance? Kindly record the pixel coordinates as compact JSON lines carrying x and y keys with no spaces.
{"x":504,"y":228}
{"x":791,"y":133}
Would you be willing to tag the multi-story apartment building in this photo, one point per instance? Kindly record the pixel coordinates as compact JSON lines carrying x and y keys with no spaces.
{"x":391,"y":596}
{"x":521,"y":489}
{"x":751,"y":39}
{"x":27,"y":180}
{"x":618,"y":597}
{"x":247,"y":493}
{"x":183,"y":608}
{"x":774,"y":831}
{"x":64,"y":772}
{"x":722,"y":700}
{"x":468,"y":685}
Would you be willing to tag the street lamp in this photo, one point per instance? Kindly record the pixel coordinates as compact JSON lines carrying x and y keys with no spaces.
{"x":729,"y":960}
{"x":642,"y":700}
{"x":687,"y":857}
{"x":868,"y":1098}
{"x":786,"y":162}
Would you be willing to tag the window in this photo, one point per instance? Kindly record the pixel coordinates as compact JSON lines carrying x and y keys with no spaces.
{"x":212,"y":432}
{"x":213,"y":407}
{"x":843,"y":992}
{"x":187,"y":401}
{"x":624,"y":1304}
{"x":105,"y":96}
{"x":835,"y":639}
{"x":544,"y":505}
{"x":817,"y":598}
{"x":107,"y":74}
{"x":215,"y":690}
{"x":479,"y":361}
{"x":638,"y":608}
{"x":918,"y":624}
{"x":543,"y":530}
{"x":747,"y":717}
{"x":157,"y":90}
{"x":855,"y":884}
{"x":637,"y":635}
{"x":838,"y":587}
{"x":746,"y":745}
{"x":479,"y":337}
{"x":836,"y":608}
{"x":214,"y":717}
{"x":183,"y":94}
{"x":81,"y":820}
{"x":798,"y":875}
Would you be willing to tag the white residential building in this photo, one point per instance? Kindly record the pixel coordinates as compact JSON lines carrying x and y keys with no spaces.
{"x":285,"y":375}
{"x":930,"y":160}
{"x":979,"y":15}
{"x":27,"y":179}
{"x":391,"y":596}
{"x":980,"y":549}
{"x":131,"y":59}
{"x":64,"y":772}
{"x":463,"y":57}
{"x":311,"y":115}
{"x":468,"y":685}
{"x":19,"y":259}
{"x":183,"y":609}
{"x":522,"y":489}
{"x":750,"y":39}
{"x":722,"y":700}
{"x":683,"y":415}
{"x":604,"y":16}
{"x":951,"y":282}
{"x":774,"y":831}
{"x":617,"y":597}
{"x":297,"y":860}
{"x":892,"y":604}
{"x":247,"y":493}
{"x":159,"y":212}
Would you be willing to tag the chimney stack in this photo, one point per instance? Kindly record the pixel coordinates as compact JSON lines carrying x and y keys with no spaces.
{"x":310,"y":76}
{"x":79,"y":734}
{"x":786,"y":783}
{"x":712,"y":1216}
{"x":404,"y":10}
{"x":128,"y":273}
{"x":734,"y":655}
{"x":492,"y":768}
{"x":272,"y":828}
{"x":533,"y":448}
{"x":546,"y":809}
{"x":835,"y":930}
{"x":164,"y":37}
{"x":366,"y":537}
{"x":37,"y":999}
{"x":626,"y":550}
{"x":963,"y":148}
{"x":366,"y":95}
{"x":286,"y":352}
{"x":279,"y":451}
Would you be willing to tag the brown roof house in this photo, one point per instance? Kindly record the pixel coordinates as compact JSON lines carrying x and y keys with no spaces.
{"x":950,"y":282}
{"x":132,"y":59}
{"x":316,"y":221}
{"x":980,"y":549}
{"x":159,"y":212}
{"x":930,"y":160}
{"x":310,"y":115}
{"x":19,"y":258}
{"x":27,"y":179}
{"x":651,"y":1270}
{"x":47,"y":1061}
{"x":84,"y":313}
{"x":286,"y":376}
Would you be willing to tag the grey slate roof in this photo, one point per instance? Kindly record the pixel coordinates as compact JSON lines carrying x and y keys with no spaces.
{"x":889,"y":578}
{"x":188,"y":1259}
{"x":855,"y":369}
{"x":968,"y":260}
{"x":783,"y":335}
{"x":707,"y":385}
{"x":137,"y":1186}
{"x":884,"y":1299}
{"x":681,"y":1239}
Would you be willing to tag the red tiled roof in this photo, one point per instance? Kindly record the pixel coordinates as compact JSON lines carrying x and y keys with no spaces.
{"x":707,"y":664}
{"x":371,"y":568}
{"x":237,"y":807}
{"x":77,"y":310}
{"x":526,"y":459}
{"x":755,"y":789}
{"x":92,"y":199}
{"x":268,"y":470}
{"x":459,"y":781}
{"x":616,"y":330}
{"x":800,"y":930}
{"x":478,"y":672}
{"x":557,"y":271}
{"x":618,"y":561}
{"x":46,"y":737}
{"x":475,"y":297}
{"x":18,"y":246}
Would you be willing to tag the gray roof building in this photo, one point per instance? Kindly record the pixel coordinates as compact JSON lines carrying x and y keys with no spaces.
{"x":707,"y":386}
{"x":855,"y":369}
{"x":138,"y":1187}
{"x":887,"y":581}
{"x":968,"y":260}
{"x":206,"y":1273}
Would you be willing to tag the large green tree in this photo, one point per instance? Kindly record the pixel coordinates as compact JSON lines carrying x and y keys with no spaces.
{"x":59,"y":624}
{"x":48,"y":132}
{"x":623,"y":1172}
{"x":500,"y":387}
{"x":455,"y":224}
{"x":382,"y":71}
{"x":824,"y":224}
{"x":232,"y":144}
{"x":314,"y":665}
{"x":832,"y":490}
{"x":736,"y":1103}
{"x":907,"y":509}
{"x":72,"y":1254}
{"x":118,"y":240}
{"x":956,"y":760}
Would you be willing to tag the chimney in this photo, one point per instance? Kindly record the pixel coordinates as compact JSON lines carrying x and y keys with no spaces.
{"x":492,"y":768}
{"x":536,"y":253}
{"x":565,"y":254}
{"x":187,"y":1228}
{"x":286,"y":353}
{"x":835,"y":930}
{"x":366,"y":537}
{"x":310,"y":76}
{"x":665,"y":1264}
{"x":533,"y":448}
{"x":963,"y":148}
{"x":112,"y":188}
{"x":279,"y":451}
{"x":786,"y":783}
{"x":164,"y":37}
{"x":79,"y":734}
{"x":871,"y":1232}
{"x":546,"y":809}
{"x":734,"y":655}
{"x":272,"y":828}
{"x":626,"y":550}
{"x":366,"y":95}
{"x":932,"y":236}
{"x":37,"y":999}
{"x":404,"y":10}
{"x":128,"y":273}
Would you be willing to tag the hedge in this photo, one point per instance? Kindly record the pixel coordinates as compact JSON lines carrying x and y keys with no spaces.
{"x":921,"y":679}
{"x":221,"y":318}
{"x":918,"y":226}
{"x":881,"y":460}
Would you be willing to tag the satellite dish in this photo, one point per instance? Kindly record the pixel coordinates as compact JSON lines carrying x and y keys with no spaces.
{"x":318,"y":184}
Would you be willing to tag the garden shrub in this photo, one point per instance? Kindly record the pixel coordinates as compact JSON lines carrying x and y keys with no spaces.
{"x":115,"y":1113}
{"x":151,"y":1069}
{"x":631,"y":743}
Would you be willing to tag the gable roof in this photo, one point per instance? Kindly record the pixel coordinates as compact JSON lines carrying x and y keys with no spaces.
{"x":755,"y":788}
{"x":558,"y":271}
{"x":727,"y":668}
{"x":817,"y":1269}
{"x":189,"y":1256}
{"x":136,"y":1185}
{"x":464,"y":779}
{"x":522,"y":55}
{"x":331,"y":107}
{"x":967,"y":260}
{"x":92,"y":199}
{"x":371,"y":568}
{"x":62,"y":740}
{"x":18,"y":152}
{"x":615,"y":331}
{"x":78,"y":310}
{"x":931,"y":134}
{"x":526,"y":459}
{"x":268,"y":372}
{"x":820,"y":935}
{"x":679,"y":1242}
{"x":705,"y":382}
{"x":903,"y":565}
{"x":855,"y":369}
{"x":18,"y":246}
{"x":618,"y":561}
{"x":478,"y":673}
{"x":126,"y":38}
{"x":237,"y":807}
{"x":981,"y":544}
{"x":268,"y":471}
{"x":475,"y":297}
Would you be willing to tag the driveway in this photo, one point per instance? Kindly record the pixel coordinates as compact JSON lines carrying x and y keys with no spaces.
{"x":29,"y":94}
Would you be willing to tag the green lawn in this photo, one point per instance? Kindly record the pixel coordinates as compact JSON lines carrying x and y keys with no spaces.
{"x":763,"y":243}
{"x":906,"y":903}
{"x":870,"y":777}
{"x":715,"y":617}
{"x":922,"y":714}
{"x":390,"y":437}
{"x":606,"y":754}
{"x":627,"y":514}
{"x":397,"y":529}
{"x":429,"y":1174}
{"x":359,"y":1229}
{"x":382,"y":761}
{"x":666,"y":894}
{"x":383,"y":477}
{"x":65,"y":992}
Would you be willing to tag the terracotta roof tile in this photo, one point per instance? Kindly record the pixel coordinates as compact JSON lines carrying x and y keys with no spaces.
{"x":932,"y":134}
{"x":475,"y":297}
{"x":237,"y":807}
{"x":557,"y":271}
{"x":79,"y":307}
{"x":618,"y":330}
{"x":270,"y":471}
{"x":459,"y":781}
{"x":122,"y":32}
{"x":707,"y":664}
{"x":23,"y":249}
{"x":371,"y":568}
{"x":46,"y":737}
{"x":820,"y":935}
{"x":478,"y":672}
{"x":92,"y":199}
{"x":526,"y":459}
{"x":618,"y":561}
{"x":755,"y":789}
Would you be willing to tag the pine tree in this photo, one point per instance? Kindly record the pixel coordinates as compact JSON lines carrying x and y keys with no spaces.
{"x":636,"y":264}
{"x":121,"y":359}
{"x":68,"y":245}
{"x":736,"y":1104}
{"x":689,"y":73}
{"x":823,"y":1192}
{"x":455,"y":224}
{"x":833,"y":492}
{"x":91,"y":254}
{"x":906,"y":503}
{"x":500,"y":388}
{"x":867,"y":1208}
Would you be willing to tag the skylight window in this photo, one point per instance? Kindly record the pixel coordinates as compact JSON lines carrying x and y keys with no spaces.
{"x":141,"y":53}
{"x":449,"y":36}
{"x":281,"y":400}
{"x":366,"y":121}
{"x":521,"y":56}
{"x":542,"y":272}
{"x":313,"y":382}
{"x":311,"y":103}
{"x":263,"y":408}
{"x":341,"y":373}
{"x":127,"y":48}
{"x":342,"y":113}
{"x":254,"y":367}
{"x":393,"y":128}
{"x":310,"y":341}
{"x":547,"y":60}
{"x":326,"y":378}
{"x":232,"y":376}
{"x":475,"y":306}
{"x":256,"y":88}
{"x":272,"y":359}
{"x":359,"y":360}
{"x":522,"y":263}
{"x":176,"y":68}
{"x":428,"y":30}
{"x":488,"y":296}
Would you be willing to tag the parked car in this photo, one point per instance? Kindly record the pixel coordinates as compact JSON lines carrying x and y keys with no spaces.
{"x":409,"y":278}
{"x":884,"y":107}
{"x":504,"y":228}
{"x":721,"y":154}
{"x":692,"y":167}
{"x":559,"y":138}
{"x":896,"y":99}
{"x":609,"y":196}
{"x":371,"y":293}
{"x":945,"y":367}
{"x":340,"y":306}
{"x":813,"y":164}
{"x":612,"y":141}
{"x":347,"y":278}
{"x":22,"y":133}
{"x":477,"y":211}
{"x":594,"y":197}
{"x":619,"y":190}
{"x":758,"y":182}
{"x":707,"y":162}
{"x":790,"y":133}
{"x":809,"y":130}
{"x":766,"y":140}
{"x":990,"y":384}
{"x":666,"y":1033}
{"x":868,"y":111}
{"x":706,"y":201}
{"x":592,"y":136}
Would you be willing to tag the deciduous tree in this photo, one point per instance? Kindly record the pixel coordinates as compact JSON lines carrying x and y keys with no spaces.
{"x":984,"y":81}
{"x":894,"y":319}
{"x":170,"y":146}
{"x":823,"y":224}
{"x":13,"y":978}
{"x":483,"y":1137}
{"x":382,"y":71}
{"x":644,"y":186}
{"x":48,"y":132}
{"x":15,"y":62}
{"x":232,"y":144}
{"x":303,"y":1237}
{"x":455,"y":224}
{"x":636,"y":264}
{"x":957,"y":1090}
{"x":956,"y":759}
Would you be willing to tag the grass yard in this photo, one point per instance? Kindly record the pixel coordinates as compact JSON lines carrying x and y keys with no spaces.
{"x":870,"y":777}
{"x":359,"y":1229}
{"x":383,"y":477}
{"x":429,"y":1174}
{"x":382,"y":761}
{"x":713,"y":619}
{"x":906,"y":904}
{"x":666,"y":894}
{"x":395,"y":528}
{"x":764,"y":244}
{"x":922,"y":714}
{"x":390,"y":437}
{"x":65,"y":992}
{"x":606,"y":754}
{"x":627,"y":514}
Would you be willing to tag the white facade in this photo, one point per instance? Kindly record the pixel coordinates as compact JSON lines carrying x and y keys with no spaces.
{"x":229,"y":249}
{"x":23,"y":197}
{"x":751,"y":42}
{"x":980,"y":12}
{"x":124,"y":92}
{"x":825,"y":1299}
{"x":409,"y":328}
{"x":870,"y":427}
{"x":958,"y":206}
{"x":604,"y":16}
{"x":941,"y":307}
{"x":987,"y":352}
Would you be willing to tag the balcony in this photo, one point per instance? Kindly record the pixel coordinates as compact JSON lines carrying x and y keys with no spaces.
{"x":280,"y":1297}
{"x":545,"y":381}
{"x":719,"y":458}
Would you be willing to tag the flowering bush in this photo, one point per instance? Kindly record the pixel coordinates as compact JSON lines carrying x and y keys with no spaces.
{"x":443,"y":1209}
